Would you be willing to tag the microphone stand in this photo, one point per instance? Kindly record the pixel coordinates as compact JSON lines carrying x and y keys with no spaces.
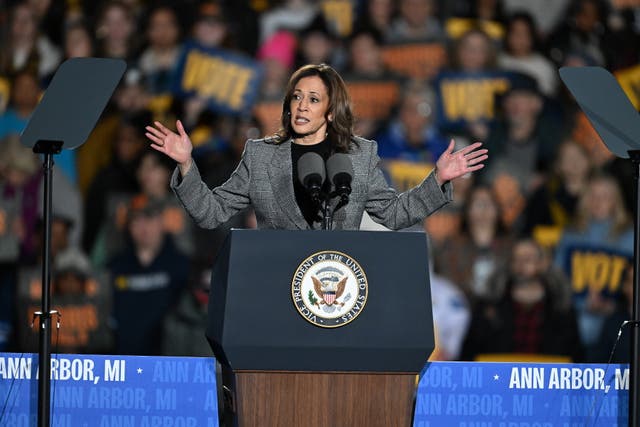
{"x":322,"y":200}
{"x":327,"y":212}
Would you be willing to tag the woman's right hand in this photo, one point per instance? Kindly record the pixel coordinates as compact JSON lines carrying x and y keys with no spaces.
{"x":175,"y":145}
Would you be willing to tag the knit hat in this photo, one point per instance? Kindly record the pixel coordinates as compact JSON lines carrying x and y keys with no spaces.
{"x":280,"y":46}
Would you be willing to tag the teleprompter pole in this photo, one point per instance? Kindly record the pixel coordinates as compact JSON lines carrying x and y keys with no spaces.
{"x":634,"y":374}
{"x":48,"y":149}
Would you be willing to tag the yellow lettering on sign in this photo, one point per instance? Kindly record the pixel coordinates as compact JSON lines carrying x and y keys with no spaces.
{"x":243,"y":78}
{"x":629,"y":80}
{"x":471,"y":99}
{"x":340,"y":14}
{"x":618,"y":266}
{"x":5,"y":91}
{"x":406,"y":175}
{"x":211,"y":77}
{"x":596,"y":271}
{"x":191,"y":67}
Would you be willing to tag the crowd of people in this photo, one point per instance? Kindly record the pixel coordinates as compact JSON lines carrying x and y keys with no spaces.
{"x":532,"y":258}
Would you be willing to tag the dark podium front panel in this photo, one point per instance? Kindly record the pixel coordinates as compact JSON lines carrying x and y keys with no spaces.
{"x":255,"y":325}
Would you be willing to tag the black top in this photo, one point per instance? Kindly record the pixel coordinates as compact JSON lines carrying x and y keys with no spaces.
{"x":155,"y":287}
{"x":310,"y":210}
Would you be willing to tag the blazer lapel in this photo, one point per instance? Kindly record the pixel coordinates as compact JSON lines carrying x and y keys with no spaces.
{"x":280,"y":177}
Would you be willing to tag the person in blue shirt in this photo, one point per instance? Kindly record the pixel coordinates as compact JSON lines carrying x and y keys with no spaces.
{"x":412,"y":135}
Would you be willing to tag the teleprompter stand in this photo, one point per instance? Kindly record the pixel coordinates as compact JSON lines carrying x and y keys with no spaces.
{"x":617,"y":122}
{"x":69,"y":110}
{"x":277,"y":368}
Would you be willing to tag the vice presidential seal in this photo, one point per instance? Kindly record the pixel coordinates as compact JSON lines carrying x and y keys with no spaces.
{"x":329,"y":289}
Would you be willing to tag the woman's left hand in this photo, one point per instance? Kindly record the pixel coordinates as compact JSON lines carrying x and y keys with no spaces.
{"x":452,"y":165}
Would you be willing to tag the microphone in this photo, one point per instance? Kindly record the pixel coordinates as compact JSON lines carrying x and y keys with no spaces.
{"x":340,"y":171}
{"x":311,"y":173}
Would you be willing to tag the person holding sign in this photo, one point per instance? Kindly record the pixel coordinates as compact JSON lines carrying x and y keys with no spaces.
{"x":594,"y":252}
{"x":316,"y":118}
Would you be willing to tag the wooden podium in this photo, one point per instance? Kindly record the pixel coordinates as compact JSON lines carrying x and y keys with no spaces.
{"x":281,"y":365}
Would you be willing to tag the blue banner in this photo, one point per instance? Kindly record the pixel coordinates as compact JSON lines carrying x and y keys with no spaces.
{"x":522,"y":395}
{"x":108,"y":391}
{"x":229,"y":81}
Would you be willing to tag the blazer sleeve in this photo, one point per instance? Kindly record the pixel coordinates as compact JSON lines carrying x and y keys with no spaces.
{"x":400,"y":210}
{"x":210,"y":208}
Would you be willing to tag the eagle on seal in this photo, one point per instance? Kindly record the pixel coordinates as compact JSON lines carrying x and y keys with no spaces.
{"x":330,"y":291}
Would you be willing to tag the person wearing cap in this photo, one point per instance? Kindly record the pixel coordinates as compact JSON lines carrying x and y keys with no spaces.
{"x":81,"y":296}
{"x":210,"y":29}
{"x":524,"y":139}
{"x":316,"y":117}
{"x":146,"y":277}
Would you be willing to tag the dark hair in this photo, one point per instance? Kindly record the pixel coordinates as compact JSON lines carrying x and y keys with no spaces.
{"x":340,"y":128}
{"x":475,"y":189}
{"x":369,"y":31}
{"x":78,"y":24}
{"x":528,"y":20}
{"x":492,"y":54}
{"x":158,"y":158}
{"x":165,"y":6}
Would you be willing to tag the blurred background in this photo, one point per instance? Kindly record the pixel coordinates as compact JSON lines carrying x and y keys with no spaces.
{"x":531,"y":261}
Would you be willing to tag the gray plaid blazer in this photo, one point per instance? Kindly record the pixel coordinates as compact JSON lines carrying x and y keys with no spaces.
{"x":263,"y":180}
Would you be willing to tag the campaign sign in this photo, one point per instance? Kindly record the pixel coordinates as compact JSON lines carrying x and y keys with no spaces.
{"x":629,"y":79}
{"x":5,"y":91}
{"x":465,"y":98}
{"x":106,"y":391}
{"x":418,"y":60}
{"x":373,"y":99}
{"x":229,"y":81}
{"x":593,"y":267}
{"x":404,"y":174}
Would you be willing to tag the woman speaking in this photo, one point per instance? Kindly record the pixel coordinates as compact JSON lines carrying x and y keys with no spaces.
{"x":316,"y":117}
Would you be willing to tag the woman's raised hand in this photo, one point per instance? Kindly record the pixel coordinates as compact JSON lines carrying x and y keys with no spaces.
{"x":452,"y":165}
{"x":175,"y":145}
